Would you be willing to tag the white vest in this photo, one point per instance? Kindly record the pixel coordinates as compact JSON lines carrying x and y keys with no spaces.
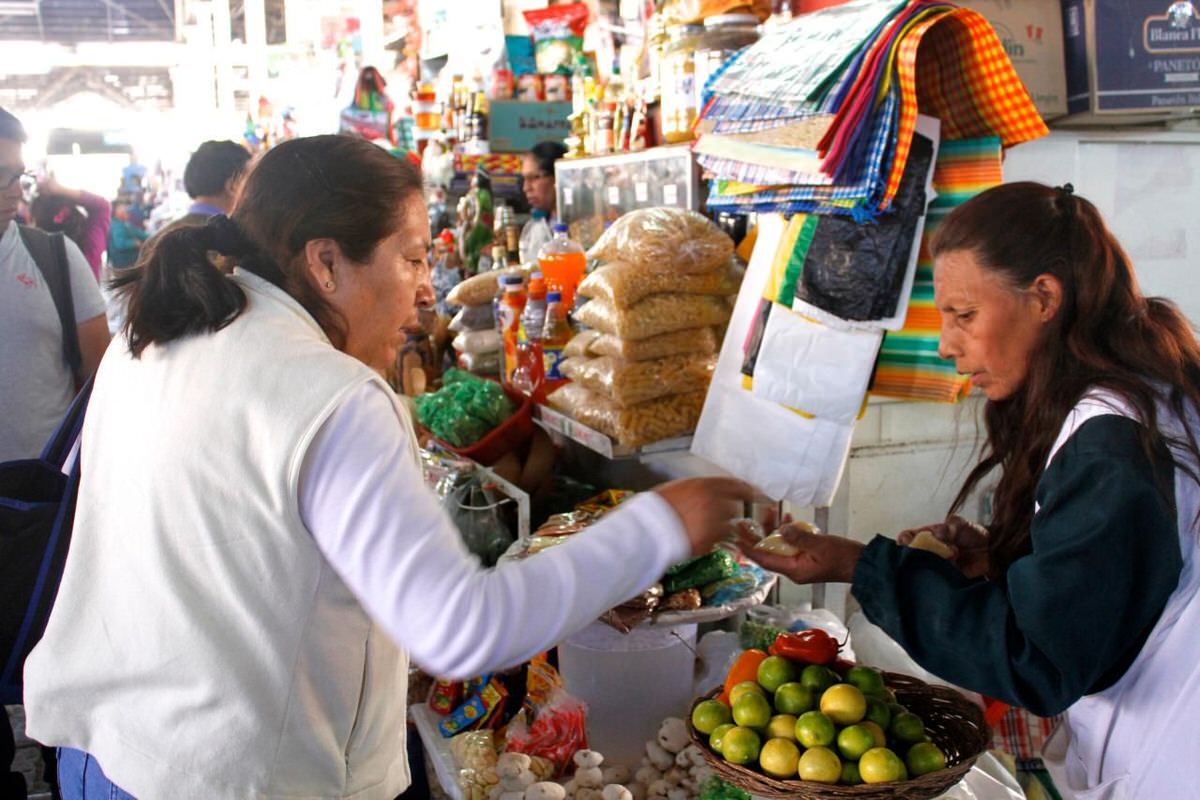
{"x":1138,"y":738}
{"x":201,"y":646}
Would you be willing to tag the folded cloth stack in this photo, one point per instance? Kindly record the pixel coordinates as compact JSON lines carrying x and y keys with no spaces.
{"x":819,"y":115}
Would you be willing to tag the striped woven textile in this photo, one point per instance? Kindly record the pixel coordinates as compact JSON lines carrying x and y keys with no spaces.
{"x":909,"y":366}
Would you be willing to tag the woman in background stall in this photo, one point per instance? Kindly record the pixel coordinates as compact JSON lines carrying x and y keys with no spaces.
{"x":537,"y":182}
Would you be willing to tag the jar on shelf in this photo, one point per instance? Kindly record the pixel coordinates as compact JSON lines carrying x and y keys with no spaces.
{"x":679,"y":82}
{"x":723,"y":37}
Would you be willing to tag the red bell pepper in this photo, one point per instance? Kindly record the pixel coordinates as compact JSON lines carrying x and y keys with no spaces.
{"x":813,"y":646}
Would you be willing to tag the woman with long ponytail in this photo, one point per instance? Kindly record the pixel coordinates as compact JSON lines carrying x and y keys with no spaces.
{"x":255,"y":554}
{"x":1079,"y":595}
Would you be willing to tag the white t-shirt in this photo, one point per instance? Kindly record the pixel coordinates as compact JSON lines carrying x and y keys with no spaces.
{"x":36,"y":385}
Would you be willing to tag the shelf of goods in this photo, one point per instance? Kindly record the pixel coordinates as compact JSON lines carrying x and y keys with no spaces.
{"x":558,"y":424}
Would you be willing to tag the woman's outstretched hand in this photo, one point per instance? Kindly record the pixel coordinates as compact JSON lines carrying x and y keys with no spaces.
{"x":816,"y":557}
{"x":707,"y":507}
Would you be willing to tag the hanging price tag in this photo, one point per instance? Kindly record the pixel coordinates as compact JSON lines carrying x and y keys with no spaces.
{"x":670,"y":194}
{"x":568,"y":197}
{"x":641,"y":192}
{"x":614,"y":196}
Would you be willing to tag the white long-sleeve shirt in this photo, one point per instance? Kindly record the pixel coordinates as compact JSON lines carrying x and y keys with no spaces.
{"x":387,"y":536}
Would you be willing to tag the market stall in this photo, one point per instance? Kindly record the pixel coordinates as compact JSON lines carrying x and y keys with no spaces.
{"x":746,"y":210}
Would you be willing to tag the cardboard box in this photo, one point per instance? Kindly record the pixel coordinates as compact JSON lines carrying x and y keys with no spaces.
{"x":1132,"y":57}
{"x":516,"y":126}
{"x":1032,"y":34}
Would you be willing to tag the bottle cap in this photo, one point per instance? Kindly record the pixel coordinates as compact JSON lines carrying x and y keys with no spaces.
{"x":554,"y":297}
{"x":560,"y":227}
{"x":539,"y":213}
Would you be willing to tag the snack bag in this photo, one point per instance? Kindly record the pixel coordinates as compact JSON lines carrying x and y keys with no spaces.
{"x":557,"y":34}
{"x":624,"y":284}
{"x":665,"y":239}
{"x":556,"y":733}
{"x":628,"y":383}
{"x":702,"y":341}
{"x":658,"y":313}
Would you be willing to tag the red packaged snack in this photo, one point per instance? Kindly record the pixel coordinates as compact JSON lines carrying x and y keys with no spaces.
{"x":558,"y":731}
{"x":446,"y":696}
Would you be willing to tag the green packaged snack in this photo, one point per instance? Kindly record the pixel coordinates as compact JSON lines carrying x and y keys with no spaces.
{"x":699,"y":571}
{"x":465,"y":409}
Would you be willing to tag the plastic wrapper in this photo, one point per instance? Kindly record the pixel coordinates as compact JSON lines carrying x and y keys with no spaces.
{"x":683,"y":600}
{"x":556,"y":733}
{"x":477,"y":342}
{"x":634,"y":611}
{"x":480,"y":363}
{"x":444,"y":471}
{"x":628,"y":383}
{"x":727,"y":590}
{"x":704,"y":341}
{"x":474,"y":318}
{"x":557,"y":34}
{"x":856,"y":270}
{"x":657,"y":314}
{"x":463,"y":410}
{"x":580,"y":344}
{"x":479,"y":289}
{"x":623,"y":284}
{"x":637,"y":426}
{"x":476,"y":512}
{"x":700,"y":571}
{"x":475,"y":753}
{"x":665,"y":239}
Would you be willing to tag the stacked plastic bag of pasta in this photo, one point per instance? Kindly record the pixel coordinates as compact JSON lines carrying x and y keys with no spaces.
{"x":657,"y":309}
{"x":476,"y":341}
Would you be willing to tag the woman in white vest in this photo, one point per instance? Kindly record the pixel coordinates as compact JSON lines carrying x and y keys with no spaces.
{"x":255,"y":555}
{"x":1081,"y":593}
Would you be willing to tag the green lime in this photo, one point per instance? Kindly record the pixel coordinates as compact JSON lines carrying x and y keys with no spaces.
{"x":708,"y":714}
{"x":814,"y":729}
{"x":793,"y":698}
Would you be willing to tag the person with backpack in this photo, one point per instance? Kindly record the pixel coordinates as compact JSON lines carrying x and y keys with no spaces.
{"x":53,"y":329}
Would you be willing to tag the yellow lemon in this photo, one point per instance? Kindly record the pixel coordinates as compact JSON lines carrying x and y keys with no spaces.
{"x":844,"y":704}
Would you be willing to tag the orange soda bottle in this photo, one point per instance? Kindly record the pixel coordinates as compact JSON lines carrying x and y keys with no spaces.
{"x":562,"y":261}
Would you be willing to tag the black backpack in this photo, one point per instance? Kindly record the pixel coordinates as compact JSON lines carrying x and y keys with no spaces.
{"x":37,"y":501}
{"x":49,"y":252}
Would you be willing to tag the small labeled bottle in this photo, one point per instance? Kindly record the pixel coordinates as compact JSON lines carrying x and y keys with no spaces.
{"x":554,"y":340}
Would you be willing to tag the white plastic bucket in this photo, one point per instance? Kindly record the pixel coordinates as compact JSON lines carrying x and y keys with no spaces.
{"x":630,"y":683}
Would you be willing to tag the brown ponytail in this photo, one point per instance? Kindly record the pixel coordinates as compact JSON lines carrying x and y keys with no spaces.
{"x":176,"y":291}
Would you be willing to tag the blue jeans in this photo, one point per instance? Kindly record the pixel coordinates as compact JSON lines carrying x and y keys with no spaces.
{"x":80,"y":778}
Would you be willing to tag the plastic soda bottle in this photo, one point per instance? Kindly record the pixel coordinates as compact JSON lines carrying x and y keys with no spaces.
{"x":529,"y":376}
{"x":563,"y":262}
{"x":554,"y":340}
{"x":508,"y":320}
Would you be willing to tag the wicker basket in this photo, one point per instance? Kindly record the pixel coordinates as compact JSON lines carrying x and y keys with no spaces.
{"x":955,"y":724}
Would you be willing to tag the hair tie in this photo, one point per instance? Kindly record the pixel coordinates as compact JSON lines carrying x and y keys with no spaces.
{"x":226,"y":237}
{"x":1066,"y":189}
